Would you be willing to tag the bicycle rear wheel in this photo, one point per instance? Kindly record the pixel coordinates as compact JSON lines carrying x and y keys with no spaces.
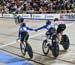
{"x":29,"y":50}
{"x":65,"y":42}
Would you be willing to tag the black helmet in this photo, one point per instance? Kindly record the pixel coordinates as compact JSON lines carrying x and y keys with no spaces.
{"x":20,"y":19}
{"x":48,"y":22}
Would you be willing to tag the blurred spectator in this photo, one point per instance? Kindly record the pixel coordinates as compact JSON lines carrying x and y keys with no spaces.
{"x":43,"y":9}
{"x":37,"y":6}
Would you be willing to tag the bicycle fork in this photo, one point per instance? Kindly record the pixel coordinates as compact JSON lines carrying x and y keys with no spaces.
{"x":49,"y":44}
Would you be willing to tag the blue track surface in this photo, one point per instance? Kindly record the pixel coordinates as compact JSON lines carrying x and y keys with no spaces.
{"x":11,"y":60}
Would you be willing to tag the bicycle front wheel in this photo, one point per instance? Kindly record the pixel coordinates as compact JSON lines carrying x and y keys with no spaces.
{"x":23,"y":48}
{"x":55,"y":46}
{"x":45,"y":48}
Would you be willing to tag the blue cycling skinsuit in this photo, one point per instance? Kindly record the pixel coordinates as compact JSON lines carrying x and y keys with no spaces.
{"x":23,"y":34}
{"x":48,"y":26}
{"x":52,"y":27}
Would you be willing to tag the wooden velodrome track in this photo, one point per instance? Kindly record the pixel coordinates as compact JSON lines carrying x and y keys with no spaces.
{"x":8,"y":44}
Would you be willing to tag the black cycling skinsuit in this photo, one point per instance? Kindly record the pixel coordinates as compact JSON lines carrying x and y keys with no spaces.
{"x":61,"y":28}
{"x":24,"y":36}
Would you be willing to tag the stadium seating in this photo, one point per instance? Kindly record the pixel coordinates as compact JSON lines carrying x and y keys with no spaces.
{"x":37,"y":6}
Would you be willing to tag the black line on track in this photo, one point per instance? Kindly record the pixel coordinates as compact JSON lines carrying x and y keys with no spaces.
{"x":48,"y":56}
{"x":34,"y":52}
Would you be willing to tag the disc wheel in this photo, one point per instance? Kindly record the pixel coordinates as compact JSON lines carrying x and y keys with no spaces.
{"x":65,"y":42}
{"x":29,"y":50}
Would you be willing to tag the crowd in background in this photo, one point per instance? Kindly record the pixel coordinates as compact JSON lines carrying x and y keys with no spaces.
{"x":37,"y":6}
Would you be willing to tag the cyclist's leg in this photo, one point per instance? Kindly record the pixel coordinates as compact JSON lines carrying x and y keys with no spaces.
{"x":51,"y":31}
{"x":22,"y":37}
{"x":60,"y":30}
{"x":26,"y":37}
{"x":61,"y":27}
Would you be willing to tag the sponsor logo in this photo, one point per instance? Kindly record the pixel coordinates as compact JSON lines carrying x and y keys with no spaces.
{"x":7,"y":15}
{"x":26,"y":15}
{"x":67,"y":16}
{"x":39,"y":16}
{"x":70,"y":16}
{"x":48,"y":16}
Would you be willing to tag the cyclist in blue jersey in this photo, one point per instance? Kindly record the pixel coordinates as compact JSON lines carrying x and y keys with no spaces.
{"x":23,"y":32}
{"x":50,"y":26}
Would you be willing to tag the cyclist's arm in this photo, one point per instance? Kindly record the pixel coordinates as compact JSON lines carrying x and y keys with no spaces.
{"x":19,"y":35}
{"x":28,"y":28}
{"x":45,"y":26}
{"x":15,"y":18}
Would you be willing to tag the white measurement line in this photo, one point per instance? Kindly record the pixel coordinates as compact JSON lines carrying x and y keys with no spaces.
{"x":15,"y":41}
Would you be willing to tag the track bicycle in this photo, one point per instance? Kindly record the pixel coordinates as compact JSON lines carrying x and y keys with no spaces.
{"x":52,"y":43}
{"x":26,"y":47}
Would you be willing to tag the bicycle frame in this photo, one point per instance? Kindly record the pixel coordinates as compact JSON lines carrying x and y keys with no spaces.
{"x":59,"y":37}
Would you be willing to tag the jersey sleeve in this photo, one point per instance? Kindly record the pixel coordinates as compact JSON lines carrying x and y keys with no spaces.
{"x":45,"y":26}
{"x":28,"y":28}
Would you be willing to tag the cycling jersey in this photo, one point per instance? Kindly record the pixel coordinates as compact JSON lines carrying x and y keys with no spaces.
{"x":48,"y":26}
{"x":23,"y":29}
